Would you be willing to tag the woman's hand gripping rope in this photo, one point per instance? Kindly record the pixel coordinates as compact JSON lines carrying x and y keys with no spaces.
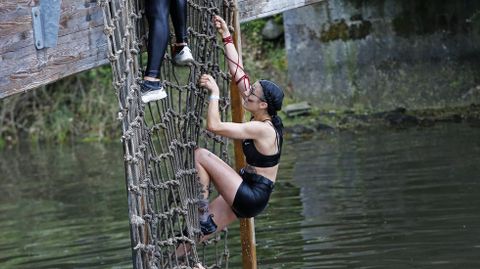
{"x":209,"y":83}
{"x":221,"y":26}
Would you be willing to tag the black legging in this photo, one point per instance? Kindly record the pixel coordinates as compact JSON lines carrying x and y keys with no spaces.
{"x":158,"y":34}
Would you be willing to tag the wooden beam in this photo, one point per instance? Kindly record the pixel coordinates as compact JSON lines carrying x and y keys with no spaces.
{"x":81,"y":42}
{"x":81,"y":45}
{"x":254,"y":9}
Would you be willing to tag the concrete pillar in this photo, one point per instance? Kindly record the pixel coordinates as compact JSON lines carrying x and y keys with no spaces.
{"x":381,"y":54}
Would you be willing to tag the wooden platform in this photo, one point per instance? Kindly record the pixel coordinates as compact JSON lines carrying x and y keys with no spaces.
{"x":81,"y":42}
{"x":297,"y":109}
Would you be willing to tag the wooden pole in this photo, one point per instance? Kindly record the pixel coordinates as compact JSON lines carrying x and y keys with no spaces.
{"x":247,"y":226}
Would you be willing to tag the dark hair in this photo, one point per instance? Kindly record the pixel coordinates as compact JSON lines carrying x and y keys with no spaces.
{"x":274,"y":98}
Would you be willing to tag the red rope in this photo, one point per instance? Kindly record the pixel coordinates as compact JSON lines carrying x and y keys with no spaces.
{"x":245,"y":78}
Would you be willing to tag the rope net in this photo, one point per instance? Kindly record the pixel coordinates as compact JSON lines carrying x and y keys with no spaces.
{"x":159,"y":138}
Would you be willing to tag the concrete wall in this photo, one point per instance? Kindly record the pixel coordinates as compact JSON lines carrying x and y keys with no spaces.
{"x":381,"y":54}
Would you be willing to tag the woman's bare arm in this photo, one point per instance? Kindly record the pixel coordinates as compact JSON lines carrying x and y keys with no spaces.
{"x":252,"y":129}
{"x":235,"y":64}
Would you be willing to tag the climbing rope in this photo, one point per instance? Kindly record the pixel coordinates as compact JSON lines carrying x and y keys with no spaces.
{"x":159,"y":138}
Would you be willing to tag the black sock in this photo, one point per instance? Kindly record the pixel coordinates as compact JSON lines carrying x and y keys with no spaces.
{"x":178,"y":48}
{"x":153,"y":84}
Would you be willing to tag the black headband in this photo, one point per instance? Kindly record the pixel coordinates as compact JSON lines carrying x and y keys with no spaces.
{"x":273,"y":96}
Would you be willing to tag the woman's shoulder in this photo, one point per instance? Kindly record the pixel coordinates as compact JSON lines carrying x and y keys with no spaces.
{"x":260,"y":125}
{"x":263,"y":129}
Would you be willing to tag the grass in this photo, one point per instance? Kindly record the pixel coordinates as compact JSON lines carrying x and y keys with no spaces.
{"x":81,"y":107}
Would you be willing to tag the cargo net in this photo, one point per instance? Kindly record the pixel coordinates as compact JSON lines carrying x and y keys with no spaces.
{"x":159,"y":138}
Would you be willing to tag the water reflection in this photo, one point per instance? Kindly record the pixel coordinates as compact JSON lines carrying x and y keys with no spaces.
{"x":63,"y":207}
{"x":404,"y":199}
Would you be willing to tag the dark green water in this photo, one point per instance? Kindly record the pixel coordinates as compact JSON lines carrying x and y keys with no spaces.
{"x":392,"y":199}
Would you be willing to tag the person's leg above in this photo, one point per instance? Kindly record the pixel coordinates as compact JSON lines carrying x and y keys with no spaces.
{"x":181,"y":52}
{"x":158,"y":34}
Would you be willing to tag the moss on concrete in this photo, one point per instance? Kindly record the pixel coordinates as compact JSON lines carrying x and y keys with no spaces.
{"x":341,"y":30}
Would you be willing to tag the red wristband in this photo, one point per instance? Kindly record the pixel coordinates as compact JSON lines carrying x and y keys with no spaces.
{"x":227,"y":40}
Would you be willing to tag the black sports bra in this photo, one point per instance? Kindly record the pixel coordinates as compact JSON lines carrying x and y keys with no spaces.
{"x":256,"y":158}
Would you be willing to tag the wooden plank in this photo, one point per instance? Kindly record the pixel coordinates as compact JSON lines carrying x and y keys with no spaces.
{"x":254,"y":9}
{"x":297,"y":109}
{"x":17,"y":32}
{"x":81,"y":43}
{"x":38,"y":68}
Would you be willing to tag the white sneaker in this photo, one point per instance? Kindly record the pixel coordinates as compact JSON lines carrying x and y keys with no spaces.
{"x":183,"y":57}
{"x":152,"y":93}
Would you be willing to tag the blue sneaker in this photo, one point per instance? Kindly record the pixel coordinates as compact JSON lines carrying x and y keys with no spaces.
{"x":183,"y":57}
{"x":208,"y":226}
{"x":152,"y":91}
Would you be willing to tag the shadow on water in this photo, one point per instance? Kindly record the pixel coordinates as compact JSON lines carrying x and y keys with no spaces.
{"x":403,"y":199}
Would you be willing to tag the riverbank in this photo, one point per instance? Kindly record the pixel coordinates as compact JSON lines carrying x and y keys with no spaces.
{"x":327,"y":122}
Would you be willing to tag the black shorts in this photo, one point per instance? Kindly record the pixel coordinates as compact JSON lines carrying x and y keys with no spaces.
{"x":252,"y":196}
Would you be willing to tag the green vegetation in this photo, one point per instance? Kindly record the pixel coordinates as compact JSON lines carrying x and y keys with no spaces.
{"x":263,"y":59}
{"x":81,"y":107}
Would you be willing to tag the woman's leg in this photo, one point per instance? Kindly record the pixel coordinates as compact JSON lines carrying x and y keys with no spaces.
{"x":181,"y":53}
{"x":158,"y":34}
{"x":212,"y":168}
{"x":226,"y":180}
{"x":222,"y":213}
{"x":218,"y":214}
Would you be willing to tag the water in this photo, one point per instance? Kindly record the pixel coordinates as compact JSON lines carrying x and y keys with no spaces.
{"x":391,"y":199}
